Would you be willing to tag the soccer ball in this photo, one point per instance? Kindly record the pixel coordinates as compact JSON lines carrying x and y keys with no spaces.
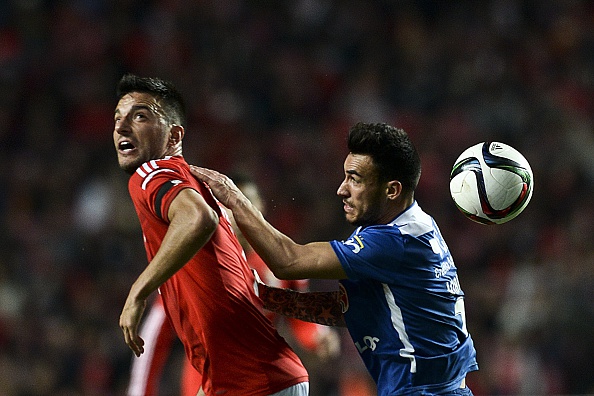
{"x":491,"y":183}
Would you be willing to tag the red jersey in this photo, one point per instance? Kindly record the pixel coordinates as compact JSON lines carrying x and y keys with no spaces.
{"x":211,"y":301}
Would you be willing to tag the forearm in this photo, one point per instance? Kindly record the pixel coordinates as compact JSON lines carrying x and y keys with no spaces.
{"x":285,"y":258}
{"x":152,"y":277}
{"x":177,"y":248}
{"x":262,"y":236}
{"x":316,"y":307}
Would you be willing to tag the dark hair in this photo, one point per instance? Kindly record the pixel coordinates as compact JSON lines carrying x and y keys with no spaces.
{"x":392,"y":152}
{"x":173,"y":103}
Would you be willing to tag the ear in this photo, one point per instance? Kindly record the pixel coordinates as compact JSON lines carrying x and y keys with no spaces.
{"x":176,"y":134}
{"x":394,"y":189}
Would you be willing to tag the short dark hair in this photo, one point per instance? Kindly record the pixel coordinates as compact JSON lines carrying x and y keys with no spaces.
{"x":392,"y":152}
{"x":173,"y":103}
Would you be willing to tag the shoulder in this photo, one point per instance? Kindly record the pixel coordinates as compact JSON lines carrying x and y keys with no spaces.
{"x":413,"y":221}
{"x":167,"y":164}
{"x":157,"y":171}
{"x":157,"y":183}
{"x":370,"y":242}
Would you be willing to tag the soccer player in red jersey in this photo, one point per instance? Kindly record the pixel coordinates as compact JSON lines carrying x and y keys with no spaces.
{"x":194,"y":258}
{"x":147,"y":369}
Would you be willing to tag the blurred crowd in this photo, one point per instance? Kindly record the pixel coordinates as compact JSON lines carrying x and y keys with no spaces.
{"x":272,"y":88}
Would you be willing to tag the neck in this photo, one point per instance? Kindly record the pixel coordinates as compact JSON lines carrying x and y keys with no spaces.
{"x":174,"y":150}
{"x":396,"y":210}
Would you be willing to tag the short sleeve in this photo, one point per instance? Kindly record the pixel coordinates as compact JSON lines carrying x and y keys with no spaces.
{"x":374,"y":252}
{"x":159,"y":185}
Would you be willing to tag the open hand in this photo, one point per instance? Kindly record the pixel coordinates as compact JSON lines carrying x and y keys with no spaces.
{"x":221,"y":186}
{"x":129,"y":321}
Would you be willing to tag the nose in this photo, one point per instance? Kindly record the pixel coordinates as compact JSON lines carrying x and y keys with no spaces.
{"x":342,"y":190}
{"x":121,"y":126}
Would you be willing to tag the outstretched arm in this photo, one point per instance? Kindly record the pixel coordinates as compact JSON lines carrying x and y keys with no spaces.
{"x":285,"y":258}
{"x":325,"y":308}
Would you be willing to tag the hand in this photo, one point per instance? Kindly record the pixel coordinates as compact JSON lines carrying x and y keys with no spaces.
{"x":222,"y":187}
{"x":129,"y":321}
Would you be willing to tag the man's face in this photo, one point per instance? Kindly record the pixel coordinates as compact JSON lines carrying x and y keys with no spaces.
{"x":140,"y":133}
{"x":363,"y":196}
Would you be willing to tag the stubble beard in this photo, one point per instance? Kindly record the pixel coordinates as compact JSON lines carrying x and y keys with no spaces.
{"x":129,"y":166}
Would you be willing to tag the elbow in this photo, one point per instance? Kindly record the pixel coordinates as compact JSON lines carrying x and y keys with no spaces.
{"x":285,"y":273}
{"x":293,"y":263}
{"x":279,"y":273}
{"x":202,"y":224}
{"x":209,"y":223}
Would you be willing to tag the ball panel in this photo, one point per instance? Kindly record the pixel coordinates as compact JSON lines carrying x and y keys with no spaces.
{"x":463,"y":189}
{"x":502,"y":187}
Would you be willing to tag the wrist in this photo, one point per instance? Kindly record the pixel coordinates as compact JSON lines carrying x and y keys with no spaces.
{"x":137,"y":294}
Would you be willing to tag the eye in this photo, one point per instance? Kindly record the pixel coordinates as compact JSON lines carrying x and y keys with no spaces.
{"x":354,"y":179}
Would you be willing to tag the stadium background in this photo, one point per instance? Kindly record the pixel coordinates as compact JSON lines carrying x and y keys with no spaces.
{"x":272,"y":88}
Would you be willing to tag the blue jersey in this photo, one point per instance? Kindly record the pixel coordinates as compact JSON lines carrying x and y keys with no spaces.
{"x":405,"y":307}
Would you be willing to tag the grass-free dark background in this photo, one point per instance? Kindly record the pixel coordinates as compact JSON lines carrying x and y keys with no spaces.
{"x":271,"y":89}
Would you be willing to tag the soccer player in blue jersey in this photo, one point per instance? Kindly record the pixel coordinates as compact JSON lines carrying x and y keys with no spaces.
{"x":399,"y":293}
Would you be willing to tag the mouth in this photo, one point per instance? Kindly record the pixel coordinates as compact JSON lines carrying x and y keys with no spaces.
{"x":125,"y":147}
{"x":346,"y":207}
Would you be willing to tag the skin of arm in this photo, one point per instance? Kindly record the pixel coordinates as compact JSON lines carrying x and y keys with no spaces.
{"x":285,"y":258}
{"x":191,"y":224}
{"x":324,"y":308}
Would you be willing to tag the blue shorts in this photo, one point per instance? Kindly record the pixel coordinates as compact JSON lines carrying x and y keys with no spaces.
{"x":458,"y":392}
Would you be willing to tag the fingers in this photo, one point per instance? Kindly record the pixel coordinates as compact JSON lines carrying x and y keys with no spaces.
{"x":211,"y":177}
{"x":133,"y":340}
{"x":129,"y":320}
{"x":220,"y":185}
{"x":204,"y":174}
{"x":138,"y":346}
